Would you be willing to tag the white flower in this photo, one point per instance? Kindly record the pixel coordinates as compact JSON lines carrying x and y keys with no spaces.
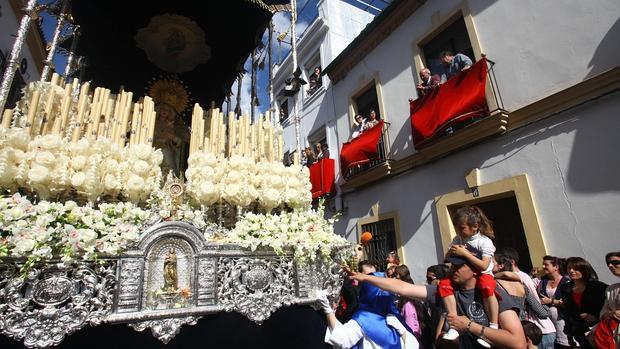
{"x":45,"y":158}
{"x":18,"y":138}
{"x":48,"y":142}
{"x":38,"y":174}
{"x":23,"y":246}
{"x":141,"y":167}
{"x":135,"y":183}
{"x":44,"y":252}
{"x":111,"y":183}
{"x":157,"y":157}
{"x":87,"y":235}
{"x":142,"y":151}
{"x":80,"y":147}
{"x":77,"y":180}
{"x":78,"y":162}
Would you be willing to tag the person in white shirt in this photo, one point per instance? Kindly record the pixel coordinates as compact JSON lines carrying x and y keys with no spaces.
{"x":375,"y":324}
{"x":360,"y":124}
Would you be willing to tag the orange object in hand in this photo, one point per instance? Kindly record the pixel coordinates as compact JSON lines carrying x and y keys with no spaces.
{"x":366,"y":237}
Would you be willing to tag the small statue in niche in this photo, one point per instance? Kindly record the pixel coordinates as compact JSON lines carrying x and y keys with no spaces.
{"x":171,"y":279}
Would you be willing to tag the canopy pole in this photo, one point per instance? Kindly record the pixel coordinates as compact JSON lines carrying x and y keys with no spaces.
{"x":294,"y":54}
{"x":12,"y":64}
{"x":49,"y":61}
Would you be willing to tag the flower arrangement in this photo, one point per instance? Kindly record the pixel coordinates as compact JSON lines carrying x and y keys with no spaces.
{"x":306,"y":232}
{"x":240,"y":181}
{"x":52,"y":166}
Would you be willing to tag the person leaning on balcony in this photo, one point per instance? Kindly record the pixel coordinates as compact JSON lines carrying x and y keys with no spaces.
{"x":427,"y":82}
{"x":310,"y":156}
{"x":372,"y":120}
{"x":322,"y":151}
{"x":453,"y":64}
{"x":360,"y":122}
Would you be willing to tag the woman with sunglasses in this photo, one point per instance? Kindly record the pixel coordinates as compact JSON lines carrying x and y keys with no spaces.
{"x":607,"y":333}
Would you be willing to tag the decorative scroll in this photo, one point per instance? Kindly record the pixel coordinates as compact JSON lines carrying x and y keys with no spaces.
{"x":165,"y":329}
{"x":52,"y":302}
{"x":255,"y":287}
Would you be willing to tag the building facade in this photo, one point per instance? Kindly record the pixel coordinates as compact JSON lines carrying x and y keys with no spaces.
{"x":33,"y":52}
{"x":336,"y":25}
{"x":541,"y":163}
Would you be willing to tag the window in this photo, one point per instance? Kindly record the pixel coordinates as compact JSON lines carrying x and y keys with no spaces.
{"x":317,"y":137}
{"x":453,"y":38}
{"x":314,"y":84}
{"x":283,"y":110}
{"x":367,"y":100}
{"x":383,"y":241}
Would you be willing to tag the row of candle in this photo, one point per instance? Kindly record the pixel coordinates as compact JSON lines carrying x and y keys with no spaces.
{"x":106,"y":115}
{"x":259,"y":140}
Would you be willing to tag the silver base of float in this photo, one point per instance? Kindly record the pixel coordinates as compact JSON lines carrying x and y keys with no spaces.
{"x":54,"y":300}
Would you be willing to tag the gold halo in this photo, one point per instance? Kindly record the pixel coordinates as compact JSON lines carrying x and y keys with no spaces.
{"x":171,"y":92}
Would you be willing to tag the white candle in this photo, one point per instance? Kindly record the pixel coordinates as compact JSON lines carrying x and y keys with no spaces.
{"x":7,"y":117}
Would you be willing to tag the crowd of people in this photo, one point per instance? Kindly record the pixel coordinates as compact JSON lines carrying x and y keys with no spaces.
{"x":478,"y":298}
{"x":311,"y":156}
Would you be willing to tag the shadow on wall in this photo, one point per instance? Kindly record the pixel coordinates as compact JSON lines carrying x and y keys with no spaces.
{"x":607,"y":54}
{"x":594,"y":162}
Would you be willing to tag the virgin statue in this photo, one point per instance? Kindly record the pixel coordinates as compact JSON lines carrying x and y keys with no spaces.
{"x":171,"y":133}
{"x":171,"y":281}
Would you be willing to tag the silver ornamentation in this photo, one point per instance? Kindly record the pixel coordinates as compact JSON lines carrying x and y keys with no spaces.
{"x":165,"y":329}
{"x":256,"y":287}
{"x":54,"y":301}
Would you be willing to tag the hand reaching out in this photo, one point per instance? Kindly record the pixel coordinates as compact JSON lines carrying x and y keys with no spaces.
{"x":323,"y":302}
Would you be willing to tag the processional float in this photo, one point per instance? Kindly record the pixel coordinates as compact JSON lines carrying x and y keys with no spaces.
{"x":93,"y":231}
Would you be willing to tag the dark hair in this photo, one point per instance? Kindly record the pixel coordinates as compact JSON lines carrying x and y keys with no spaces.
{"x":611,"y":254}
{"x":363,"y":263}
{"x":557,"y":262}
{"x":440,"y":270}
{"x":395,"y":254}
{"x":472,"y":215}
{"x":376,"y":114}
{"x":582,"y":266}
{"x":504,"y":260}
{"x":509,"y":253}
{"x":445,"y":53}
{"x":403,"y":273}
{"x":532,"y":331}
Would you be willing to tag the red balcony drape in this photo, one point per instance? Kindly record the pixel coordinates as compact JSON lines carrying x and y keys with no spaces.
{"x":460,"y":98}
{"x":322,"y":177}
{"x":362,"y":149}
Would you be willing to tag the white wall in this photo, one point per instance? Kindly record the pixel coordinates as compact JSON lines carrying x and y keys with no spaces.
{"x":540,"y":48}
{"x":572,"y":163}
{"x":9,"y":25}
{"x":339,"y":24}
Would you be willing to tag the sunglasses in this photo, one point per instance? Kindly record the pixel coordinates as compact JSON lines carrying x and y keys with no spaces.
{"x":615,"y":262}
{"x":430,"y":280}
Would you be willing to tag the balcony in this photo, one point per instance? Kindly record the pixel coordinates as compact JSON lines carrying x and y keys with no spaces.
{"x":322,"y":176}
{"x":366,"y":157}
{"x":464,"y":100}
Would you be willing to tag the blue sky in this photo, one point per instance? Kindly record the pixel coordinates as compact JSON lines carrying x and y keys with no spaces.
{"x":306,"y":13}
